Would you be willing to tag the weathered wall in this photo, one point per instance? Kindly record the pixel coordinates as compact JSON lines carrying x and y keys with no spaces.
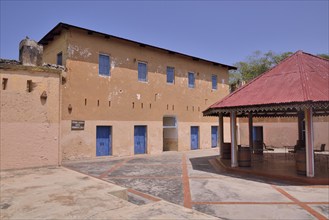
{"x":125,"y":102}
{"x":82,"y":142}
{"x":29,"y":125}
{"x":59,"y":44}
{"x":279,"y":132}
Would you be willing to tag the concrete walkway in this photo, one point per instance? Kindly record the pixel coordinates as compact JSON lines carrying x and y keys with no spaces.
{"x":59,"y":193}
{"x":189,"y":179}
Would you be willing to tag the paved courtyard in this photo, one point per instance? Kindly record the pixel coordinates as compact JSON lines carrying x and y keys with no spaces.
{"x":189,"y":179}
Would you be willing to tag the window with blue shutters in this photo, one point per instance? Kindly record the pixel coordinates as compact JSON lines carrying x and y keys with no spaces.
{"x":191,"y":80}
{"x":104,"y":65}
{"x":170,"y":75}
{"x":214,"y":81}
{"x":142,"y":72}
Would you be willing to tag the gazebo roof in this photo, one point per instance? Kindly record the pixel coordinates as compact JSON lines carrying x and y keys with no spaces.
{"x":298,"y":81}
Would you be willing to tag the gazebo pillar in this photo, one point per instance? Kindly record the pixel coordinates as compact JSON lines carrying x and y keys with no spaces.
{"x":250,"y":125}
{"x":309,"y":133}
{"x":300,"y":116}
{"x":234,"y":150}
{"x":220,"y":133}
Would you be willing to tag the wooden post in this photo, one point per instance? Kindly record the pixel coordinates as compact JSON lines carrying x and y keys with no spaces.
{"x":250,"y":124}
{"x":300,"y":125}
{"x":309,"y":133}
{"x":234,"y":150}
{"x":220,"y":133}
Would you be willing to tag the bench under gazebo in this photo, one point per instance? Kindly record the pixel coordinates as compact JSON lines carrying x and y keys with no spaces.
{"x":296,"y":87}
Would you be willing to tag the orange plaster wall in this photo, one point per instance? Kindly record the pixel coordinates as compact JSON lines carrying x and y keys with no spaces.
{"x":29,"y":125}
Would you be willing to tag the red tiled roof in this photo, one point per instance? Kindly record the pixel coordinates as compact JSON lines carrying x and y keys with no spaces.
{"x":302,"y":77}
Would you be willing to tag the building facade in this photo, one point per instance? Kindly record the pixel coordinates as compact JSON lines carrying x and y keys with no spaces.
{"x":121,"y":97}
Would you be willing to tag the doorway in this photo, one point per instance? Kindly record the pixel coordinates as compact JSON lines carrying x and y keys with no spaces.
{"x":170,"y":133}
{"x":140,"y":139}
{"x":103,"y":141}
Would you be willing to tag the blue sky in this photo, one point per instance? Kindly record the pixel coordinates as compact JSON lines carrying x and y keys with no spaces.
{"x":222,"y":31}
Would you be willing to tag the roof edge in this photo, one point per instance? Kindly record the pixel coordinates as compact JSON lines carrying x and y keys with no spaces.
{"x":44,"y":40}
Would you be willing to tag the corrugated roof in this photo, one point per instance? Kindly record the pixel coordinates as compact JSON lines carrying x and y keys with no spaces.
{"x":60,"y":26}
{"x":302,"y":77}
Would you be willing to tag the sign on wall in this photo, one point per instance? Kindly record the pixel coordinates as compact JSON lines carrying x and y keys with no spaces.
{"x":77,"y":125}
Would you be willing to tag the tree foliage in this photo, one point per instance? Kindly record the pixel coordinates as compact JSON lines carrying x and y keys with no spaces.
{"x":323,"y":55}
{"x":255,"y":64}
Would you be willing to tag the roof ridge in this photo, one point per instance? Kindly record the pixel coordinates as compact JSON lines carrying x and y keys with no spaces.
{"x":302,"y":76}
{"x":315,"y":56}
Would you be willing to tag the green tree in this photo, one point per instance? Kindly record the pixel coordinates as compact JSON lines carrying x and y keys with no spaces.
{"x":323,"y":55}
{"x":255,"y":64}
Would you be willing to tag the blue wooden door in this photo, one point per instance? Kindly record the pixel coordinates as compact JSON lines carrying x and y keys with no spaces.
{"x":103,"y":141}
{"x":214,"y":136}
{"x":194,"y":137}
{"x":140,"y":139}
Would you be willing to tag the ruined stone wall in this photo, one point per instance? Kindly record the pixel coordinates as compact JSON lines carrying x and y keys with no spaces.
{"x":121,"y":101}
{"x":29,"y":124}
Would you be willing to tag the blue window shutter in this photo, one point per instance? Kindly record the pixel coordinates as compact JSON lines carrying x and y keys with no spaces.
{"x":104,"y":65}
{"x":191,"y":80}
{"x":214,"y":81}
{"x":142,"y":72}
{"x":170,"y":74}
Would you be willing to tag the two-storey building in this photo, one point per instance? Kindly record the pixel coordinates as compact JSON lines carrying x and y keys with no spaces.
{"x":121,"y":97}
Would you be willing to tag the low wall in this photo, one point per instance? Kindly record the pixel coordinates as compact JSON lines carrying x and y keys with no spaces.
{"x":29,"y":124}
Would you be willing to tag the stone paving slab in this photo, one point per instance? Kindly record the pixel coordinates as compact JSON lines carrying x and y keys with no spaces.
{"x":323,"y":209}
{"x":235,"y":191}
{"x":147,"y":170}
{"x":56,"y":194}
{"x":159,"y":210}
{"x":95,"y":168}
{"x":254,"y":212}
{"x":165,"y":158}
{"x":168,"y":189}
{"x":308,"y":193}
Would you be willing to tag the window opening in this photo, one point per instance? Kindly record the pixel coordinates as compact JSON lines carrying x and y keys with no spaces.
{"x":104,"y":65}
{"x":142,"y":72}
{"x":4,"y":83}
{"x":191,"y":80}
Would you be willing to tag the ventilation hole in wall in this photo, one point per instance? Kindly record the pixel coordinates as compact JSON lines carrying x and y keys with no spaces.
{"x":186,"y":108}
{"x":150,"y":105}
{"x":98,"y":102}
{"x":199,"y":108}
{"x":4,"y":83}
{"x":167,"y":107}
{"x":142,"y":105}
{"x":133,"y":105}
{"x":29,"y":86}
{"x":173,"y":107}
{"x":85,"y":101}
{"x":193,"y":108}
{"x":109,"y":103}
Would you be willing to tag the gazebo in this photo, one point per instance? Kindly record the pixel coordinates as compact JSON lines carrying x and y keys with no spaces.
{"x":296,"y":87}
